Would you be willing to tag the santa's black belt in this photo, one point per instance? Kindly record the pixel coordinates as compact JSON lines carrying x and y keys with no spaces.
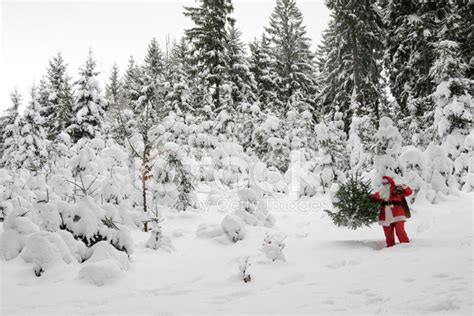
{"x":391,"y":203}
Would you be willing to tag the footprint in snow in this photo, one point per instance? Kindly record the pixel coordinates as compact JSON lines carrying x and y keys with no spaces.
{"x":408,"y":280}
{"x":441,"y":275}
{"x":336,"y":264}
{"x":292,"y":279}
{"x":329,"y":302}
{"x":357,"y":291}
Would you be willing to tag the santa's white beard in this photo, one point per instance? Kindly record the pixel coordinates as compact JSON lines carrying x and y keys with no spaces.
{"x":385,"y":192}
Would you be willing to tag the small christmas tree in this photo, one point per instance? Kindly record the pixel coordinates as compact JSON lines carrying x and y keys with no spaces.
{"x":353,"y":206}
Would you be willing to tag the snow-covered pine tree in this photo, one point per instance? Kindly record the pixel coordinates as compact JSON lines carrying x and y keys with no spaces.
{"x":209,"y":38}
{"x":176,"y":182}
{"x":454,"y":107}
{"x":465,"y":36}
{"x":114,"y":89}
{"x":179,"y":97}
{"x":260,"y":64}
{"x":131,"y":84}
{"x":31,"y":139}
{"x":116,"y":104}
{"x":413,"y":29}
{"x":352,"y":49}
{"x":88,"y":111}
{"x":239,"y":75}
{"x":56,"y":98}
{"x":150,"y":83}
{"x":388,"y":149}
{"x":10,"y":132}
{"x":331,"y":144}
{"x":290,"y":47}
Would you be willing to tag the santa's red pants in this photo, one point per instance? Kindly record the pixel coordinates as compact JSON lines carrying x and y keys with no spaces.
{"x":399,"y":228}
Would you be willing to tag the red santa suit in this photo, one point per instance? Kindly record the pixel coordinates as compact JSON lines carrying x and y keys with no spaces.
{"x":392,"y":214}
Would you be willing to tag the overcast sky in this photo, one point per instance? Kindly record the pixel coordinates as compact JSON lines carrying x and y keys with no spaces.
{"x":33,"y":31}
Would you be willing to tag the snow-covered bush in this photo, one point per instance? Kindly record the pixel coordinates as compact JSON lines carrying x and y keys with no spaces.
{"x":412,"y":164}
{"x":104,"y":264}
{"x":388,"y":147}
{"x":464,"y":164}
{"x":17,"y":228}
{"x":273,"y":246}
{"x":45,"y":250}
{"x":269,"y":143}
{"x":231,"y":166}
{"x":234,"y":227}
{"x":252,"y":209}
{"x":438,"y":174}
{"x":332,"y":160}
{"x":174,"y":180}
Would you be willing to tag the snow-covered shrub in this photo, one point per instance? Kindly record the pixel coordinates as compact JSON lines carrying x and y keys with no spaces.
{"x":231,"y":165}
{"x":157,"y":240}
{"x":45,"y":250}
{"x":359,"y":144}
{"x":104,"y":264}
{"x":438,"y":174}
{"x":273,"y":246}
{"x":244,"y":266}
{"x":332,"y":157}
{"x":174,"y":180}
{"x":252,"y":209}
{"x":91,"y":223}
{"x":464,"y":164}
{"x":17,"y":228}
{"x":388,"y":148}
{"x":412,"y":164}
{"x":269,"y":143}
{"x":234,"y":227}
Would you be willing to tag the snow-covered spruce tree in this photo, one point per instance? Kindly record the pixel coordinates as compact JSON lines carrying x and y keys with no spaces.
{"x":261,"y":66}
{"x":464,"y":164}
{"x":290,"y":47}
{"x":453,"y":116}
{"x":407,"y":51}
{"x":31,"y":138}
{"x":438,"y":174}
{"x":56,"y":98}
{"x":270,"y":144}
{"x":388,"y":147}
{"x":10,"y":133}
{"x":413,"y":168}
{"x":353,"y":54}
{"x":174,"y":178}
{"x":116,"y":104}
{"x":353,"y":207}
{"x":208,"y":39}
{"x":150,"y":83}
{"x":465,"y":35}
{"x":90,"y":213}
{"x":239,"y":75}
{"x":88,"y":110}
{"x":300,"y":126}
{"x":360,"y":146}
{"x":131,"y":84}
{"x":179,"y":97}
{"x":333,"y":157}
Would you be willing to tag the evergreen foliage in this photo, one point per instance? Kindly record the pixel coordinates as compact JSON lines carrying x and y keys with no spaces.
{"x":353,"y":206}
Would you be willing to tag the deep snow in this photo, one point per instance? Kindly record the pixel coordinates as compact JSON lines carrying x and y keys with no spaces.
{"x":327,"y":269}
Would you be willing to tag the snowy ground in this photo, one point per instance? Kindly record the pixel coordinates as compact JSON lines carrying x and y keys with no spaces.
{"x":328,"y":270}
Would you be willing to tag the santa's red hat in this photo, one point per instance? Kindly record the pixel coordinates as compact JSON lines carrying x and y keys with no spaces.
{"x":389,"y":179}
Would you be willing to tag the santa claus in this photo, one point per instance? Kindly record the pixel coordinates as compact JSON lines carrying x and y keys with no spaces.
{"x":393,"y":214}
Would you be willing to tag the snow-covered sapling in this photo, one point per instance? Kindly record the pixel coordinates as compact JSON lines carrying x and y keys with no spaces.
{"x":244,"y":270}
{"x":273,"y":246}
